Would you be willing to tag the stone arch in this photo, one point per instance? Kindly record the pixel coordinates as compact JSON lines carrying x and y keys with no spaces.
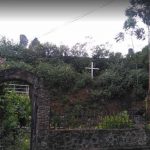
{"x":39,"y":103}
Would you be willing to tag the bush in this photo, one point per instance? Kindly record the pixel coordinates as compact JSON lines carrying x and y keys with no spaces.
{"x":17,"y":64}
{"x":118,"y":121}
{"x":16,"y":114}
{"x":83,"y":80}
{"x":17,"y":111}
{"x":61,"y":76}
{"x":100,"y":96}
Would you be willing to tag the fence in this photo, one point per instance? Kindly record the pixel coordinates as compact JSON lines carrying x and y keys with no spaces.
{"x":18,"y":88}
{"x":70,"y":120}
{"x":95,"y":119}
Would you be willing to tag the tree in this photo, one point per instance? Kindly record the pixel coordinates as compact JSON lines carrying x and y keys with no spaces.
{"x":132,"y":29}
{"x":139,"y":9}
{"x":9,"y":50}
{"x":51,"y":50}
{"x":64,"y":50}
{"x":23,"y":41}
{"x":79,"y":50}
{"x":100,"y":51}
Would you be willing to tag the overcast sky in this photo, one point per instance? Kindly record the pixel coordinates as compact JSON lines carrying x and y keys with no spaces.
{"x":67,"y":22}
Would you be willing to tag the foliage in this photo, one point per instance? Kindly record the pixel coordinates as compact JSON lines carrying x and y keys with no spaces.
{"x":17,"y":64}
{"x":17,"y":139}
{"x":83,"y":81}
{"x":61,"y":76}
{"x":100,"y":96}
{"x":118,"y":76}
{"x":50,"y":50}
{"x":108,"y":85}
{"x":78,"y":63}
{"x":137,"y":81}
{"x":79,"y":50}
{"x":147,"y":126}
{"x":55,"y":120}
{"x":100,"y":51}
{"x":120,"y":121}
{"x":17,"y":110}
{"x":139,"y":9}
{"x":25,"y":142}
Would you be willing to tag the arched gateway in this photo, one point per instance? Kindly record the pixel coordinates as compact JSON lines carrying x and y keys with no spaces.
{"x":40,"y":104}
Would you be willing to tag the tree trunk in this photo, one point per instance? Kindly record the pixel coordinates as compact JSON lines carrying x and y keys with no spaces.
{"x":148,"y":97}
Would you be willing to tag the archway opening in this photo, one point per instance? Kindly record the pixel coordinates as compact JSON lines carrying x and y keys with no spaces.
{"x":15,"y":115}
{"x":39,"y":103}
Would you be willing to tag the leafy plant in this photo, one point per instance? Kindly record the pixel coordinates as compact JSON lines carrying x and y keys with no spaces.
{"x":60,"y":77}
{"x":17,"y":110}
{"x":120,"y":120}
{"x":83,"y":80}
{"x":15,"y":115}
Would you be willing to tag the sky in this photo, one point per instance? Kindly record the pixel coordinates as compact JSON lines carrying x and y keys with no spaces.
{"x":67,"y":22}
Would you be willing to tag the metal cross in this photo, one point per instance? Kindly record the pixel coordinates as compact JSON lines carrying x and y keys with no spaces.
{"x":92,"y":69}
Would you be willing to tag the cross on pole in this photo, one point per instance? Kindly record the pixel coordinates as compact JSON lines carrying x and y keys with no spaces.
{"x":92,"y":69}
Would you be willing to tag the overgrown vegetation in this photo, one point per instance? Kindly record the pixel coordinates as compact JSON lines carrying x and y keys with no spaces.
{"x":77,"y":99}
{"x":118,"y":75}
{"x":15,"y":121}
{"x":116,"y":121}
{"x":120,"y":78}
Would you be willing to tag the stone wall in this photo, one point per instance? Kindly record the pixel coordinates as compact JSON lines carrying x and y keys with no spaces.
{"x":132,"y":139}
{"x":43,"y":139}
{"x":39,"y":96}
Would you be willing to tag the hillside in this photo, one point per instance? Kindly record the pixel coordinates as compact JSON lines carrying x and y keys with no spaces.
{"x":121,"y":83}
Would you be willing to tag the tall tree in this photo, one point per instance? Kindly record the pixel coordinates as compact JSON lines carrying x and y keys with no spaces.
{"x":64,"y":50}
{"x":100,"y":51}
{"x":140,"y":9}
{"x":51,"y":50}
{"x":79,"y":50}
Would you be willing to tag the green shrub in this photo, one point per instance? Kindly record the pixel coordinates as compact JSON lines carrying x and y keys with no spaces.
{"x":60,"y":77}
{"x":147,"y":126}
{"x":25,"y":142}
{"x":16,"y":114}
{"x":17,"y":110}
{"x":17,"y":64}
{"x":100,"y":96}
{"x":83,"y":80}
{"x":118,"y":121}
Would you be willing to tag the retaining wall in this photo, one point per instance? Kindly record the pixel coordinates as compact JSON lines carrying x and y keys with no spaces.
{"x":133,"y":139}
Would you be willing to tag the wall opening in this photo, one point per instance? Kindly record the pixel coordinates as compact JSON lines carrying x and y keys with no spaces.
{"x":15,"y":112}
{"x":39,"y":103}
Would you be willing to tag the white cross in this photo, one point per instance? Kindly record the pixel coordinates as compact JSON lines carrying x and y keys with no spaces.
{"x":92,"y":69}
